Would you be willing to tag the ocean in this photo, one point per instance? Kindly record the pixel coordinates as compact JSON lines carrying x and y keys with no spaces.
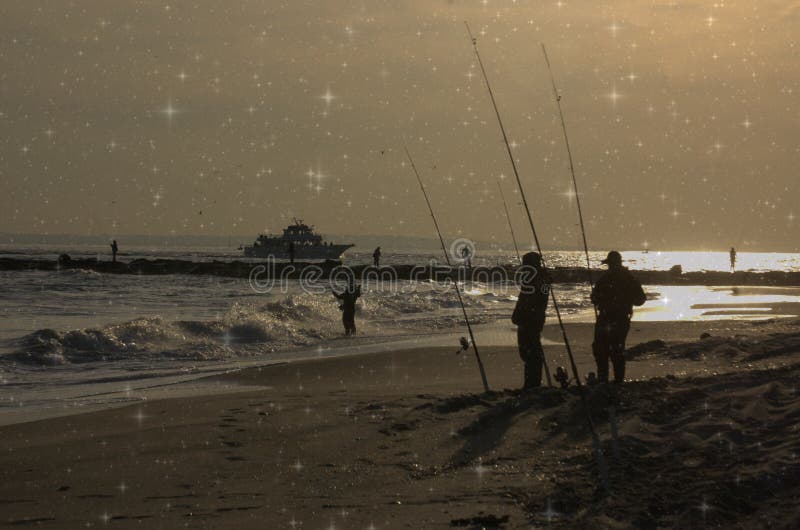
{"x":74,"y":339}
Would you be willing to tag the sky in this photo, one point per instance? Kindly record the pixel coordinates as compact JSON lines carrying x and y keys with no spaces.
{"x":217,"y":118}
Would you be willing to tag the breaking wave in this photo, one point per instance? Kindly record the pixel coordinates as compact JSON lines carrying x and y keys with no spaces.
{"x":244,"y":330}
{"x":250,"y":328}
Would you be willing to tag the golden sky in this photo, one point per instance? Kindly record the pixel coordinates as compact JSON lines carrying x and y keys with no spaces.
{"x":141,"y":117}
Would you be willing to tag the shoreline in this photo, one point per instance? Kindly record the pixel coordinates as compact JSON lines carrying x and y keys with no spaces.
{"x":322,"y":271}
{"x":405,"y":438}
{"x":206,"y":379}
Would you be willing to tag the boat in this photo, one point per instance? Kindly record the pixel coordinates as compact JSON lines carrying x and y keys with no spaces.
{"x":307,"y":244}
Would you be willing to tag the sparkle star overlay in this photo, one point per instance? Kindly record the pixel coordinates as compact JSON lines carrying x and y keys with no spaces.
{"x":229,"y":120}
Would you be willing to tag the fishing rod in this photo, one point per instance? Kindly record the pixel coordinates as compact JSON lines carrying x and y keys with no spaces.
{"x":508,"y":218}
{"x":522,"y":194}
{"x":601,"y":462}
{"x":572,"y":171}
{"x":455,"y":284}
{"x":612,"y":409}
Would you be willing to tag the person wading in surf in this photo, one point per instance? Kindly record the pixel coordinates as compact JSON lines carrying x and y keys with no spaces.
{"x":614,"y":295}
{"x":529,"y":317}
{"x":348,"y":299}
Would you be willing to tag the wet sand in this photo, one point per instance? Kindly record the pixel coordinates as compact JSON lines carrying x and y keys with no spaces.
{"x":406,"y":439}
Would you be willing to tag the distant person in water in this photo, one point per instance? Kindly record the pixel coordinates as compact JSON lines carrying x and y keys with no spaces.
{"x":376,"y":257}
{"x":733,"y":259}
{"x":614,"y":295}
{"x":466,"y":256}
{"x":348,"y":299}
{"x":291,"y":251}
{"x":529,"y":316}
{"x":114,"y":250}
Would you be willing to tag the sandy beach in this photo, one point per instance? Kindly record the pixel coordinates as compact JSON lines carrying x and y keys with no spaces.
{"x":406,"y":439}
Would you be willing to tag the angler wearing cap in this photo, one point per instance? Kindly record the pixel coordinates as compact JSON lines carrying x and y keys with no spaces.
{"x":614,"y":295}
{"x":529,"y":316}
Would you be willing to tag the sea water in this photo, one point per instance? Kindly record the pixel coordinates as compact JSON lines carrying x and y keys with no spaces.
{"x":73,"y":339}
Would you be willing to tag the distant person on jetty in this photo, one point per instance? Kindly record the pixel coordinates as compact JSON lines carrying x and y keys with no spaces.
{"x":291,"y":251}
{"x":376,"y":257}
{"x":733,"y":259}
{"x":529,"y":316}
{"x":114,"y":250}
{"x":466,"y":256}
{"x":348,"y":299}
{"x":614,"y":295}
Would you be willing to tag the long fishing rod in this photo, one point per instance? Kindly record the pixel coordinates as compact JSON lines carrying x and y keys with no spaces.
{"x":508,"y":218}
{"x":455,"y":284}
{"x":601,"y":462}
{"x":612,"y":408}
{"x":571,"y":169}
{"x":524,"y":199}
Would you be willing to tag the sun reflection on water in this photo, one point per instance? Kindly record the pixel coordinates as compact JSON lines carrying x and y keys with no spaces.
{"x":670,"y":302}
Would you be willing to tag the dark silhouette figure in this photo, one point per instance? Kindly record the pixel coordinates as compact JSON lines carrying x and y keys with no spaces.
{"x":614,"y":295}
{"x":733,"y":259}
{"x":376,"y":257}
{"x":348,"y":299}
{"x":291,"y":251}
{"x":114,"y":250}
{"x":466,"y":255}
{"x":529,"y":316}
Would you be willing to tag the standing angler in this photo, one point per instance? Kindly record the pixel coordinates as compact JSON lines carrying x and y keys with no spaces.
{"x":376,"y":257}
{"x":114,"y":250}
{"x":614,"y":295}
{"x":466,"y":256}
{"x":348,"y":299}
{"x":529,"y":316}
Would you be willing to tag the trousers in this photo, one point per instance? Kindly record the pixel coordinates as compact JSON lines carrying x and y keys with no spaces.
{"x":609,"y":343}
{"x":349,"y":322}
{"x":529,"y":341}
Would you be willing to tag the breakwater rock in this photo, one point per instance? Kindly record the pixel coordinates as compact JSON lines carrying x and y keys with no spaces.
{"x":330,"y":268}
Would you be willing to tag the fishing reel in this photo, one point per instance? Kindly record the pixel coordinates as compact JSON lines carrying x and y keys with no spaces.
{"x":562,"y":377}
{"x":464,"y":345}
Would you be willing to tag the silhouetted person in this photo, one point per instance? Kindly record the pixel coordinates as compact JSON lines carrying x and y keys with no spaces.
{"x":614,"y":295}
{"x":291,"y":251}
{"x":376,"y":257}
{"x":466,"y":255}
{"x":348,"y":299}
{"x":733,"y":259}
{"x":114,"y":250}
{"x":529,"y":316}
